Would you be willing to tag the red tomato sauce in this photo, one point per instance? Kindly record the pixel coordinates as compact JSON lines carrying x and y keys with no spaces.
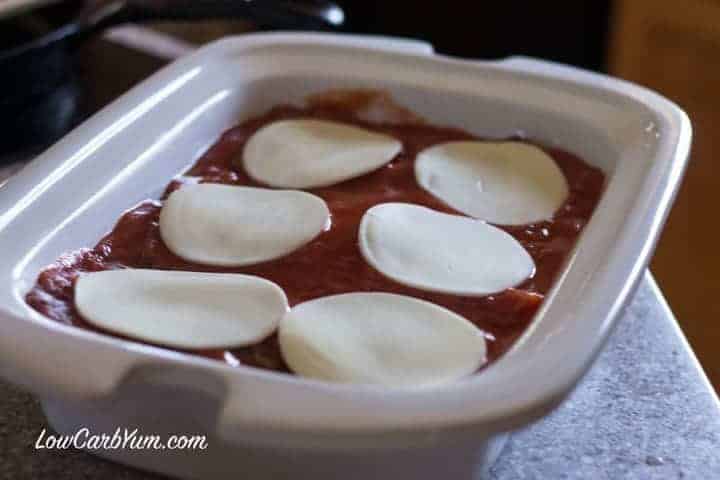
{"x":332,"y":262}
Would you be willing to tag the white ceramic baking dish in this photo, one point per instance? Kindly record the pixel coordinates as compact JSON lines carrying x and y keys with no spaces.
{"x":267,"y":425}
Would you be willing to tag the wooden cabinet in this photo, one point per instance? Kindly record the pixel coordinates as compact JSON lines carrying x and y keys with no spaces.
{"x":673,"y":46}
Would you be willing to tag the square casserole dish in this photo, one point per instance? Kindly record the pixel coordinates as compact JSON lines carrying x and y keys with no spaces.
{"x":270,"y":425}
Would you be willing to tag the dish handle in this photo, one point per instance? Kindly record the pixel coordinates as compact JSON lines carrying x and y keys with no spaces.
{"x":30,"y":354}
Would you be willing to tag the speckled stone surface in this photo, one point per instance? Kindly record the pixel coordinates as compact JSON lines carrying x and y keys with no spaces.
{"x":644,"y":411}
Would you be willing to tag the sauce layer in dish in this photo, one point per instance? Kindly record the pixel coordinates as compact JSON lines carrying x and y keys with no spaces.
{"x":332,"y":262}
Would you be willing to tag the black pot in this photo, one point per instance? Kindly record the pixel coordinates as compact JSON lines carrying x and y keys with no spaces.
{"x":39,"y":92}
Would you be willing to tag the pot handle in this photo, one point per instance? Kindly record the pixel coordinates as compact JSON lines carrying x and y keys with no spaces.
{"x":275,"y":14}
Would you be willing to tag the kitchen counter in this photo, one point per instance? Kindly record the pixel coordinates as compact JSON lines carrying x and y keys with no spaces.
{"x":644,"y":411}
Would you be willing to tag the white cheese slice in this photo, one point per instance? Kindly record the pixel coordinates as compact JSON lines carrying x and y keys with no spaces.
{"x":307,"y":153}
{"x":507,"y":183}
{"x":225,"y":225}
{"x":438,"y":252}
{"x":379,"y":338}
{"x":188,"y":310}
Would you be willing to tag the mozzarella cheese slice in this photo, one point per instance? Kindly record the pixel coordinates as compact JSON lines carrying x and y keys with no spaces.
{"x":379,"y":338}
{"x":307,"y":153}
{"x":225,"y":225}
{"x":438,"y":252}
{"x":187,"y":310}
{"x":508,"y":183}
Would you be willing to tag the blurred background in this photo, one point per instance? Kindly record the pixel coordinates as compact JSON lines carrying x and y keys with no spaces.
{"x":671,"y":46}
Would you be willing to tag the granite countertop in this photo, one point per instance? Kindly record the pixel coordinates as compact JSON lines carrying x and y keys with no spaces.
{"x":644,"y":411}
